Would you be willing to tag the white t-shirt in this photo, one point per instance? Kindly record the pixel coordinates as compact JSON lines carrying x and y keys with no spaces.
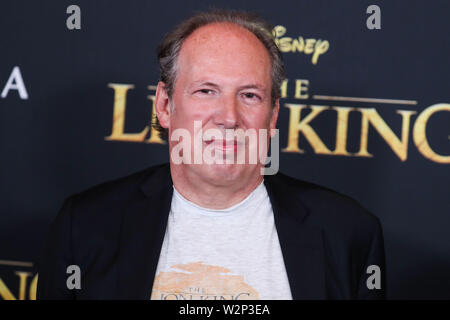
{"x":229,"y":254}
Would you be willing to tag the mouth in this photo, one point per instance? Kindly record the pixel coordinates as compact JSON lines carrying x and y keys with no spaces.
{"x":223,"y":145}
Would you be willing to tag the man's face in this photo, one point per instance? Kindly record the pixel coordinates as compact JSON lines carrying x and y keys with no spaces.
{"x":224,"y":81}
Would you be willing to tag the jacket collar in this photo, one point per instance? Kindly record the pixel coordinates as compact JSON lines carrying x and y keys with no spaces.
{"x":145,"y":220}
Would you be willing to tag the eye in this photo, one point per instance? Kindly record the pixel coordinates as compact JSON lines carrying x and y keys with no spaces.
{"x":251,"y":96}
{"x":205,"y":91}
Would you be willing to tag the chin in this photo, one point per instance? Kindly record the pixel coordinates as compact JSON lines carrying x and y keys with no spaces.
{"x":225,"y":172}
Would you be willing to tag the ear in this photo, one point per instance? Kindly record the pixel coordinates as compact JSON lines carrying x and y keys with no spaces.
{"x":162,"y":105}
{"x":274,"y":118}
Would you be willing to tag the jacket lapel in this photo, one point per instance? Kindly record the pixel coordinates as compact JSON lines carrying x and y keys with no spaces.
{"x":301,"y":245}
{"x":142,"y":234}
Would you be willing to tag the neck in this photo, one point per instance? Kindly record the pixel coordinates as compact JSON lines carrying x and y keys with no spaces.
{"x":210,"y":194}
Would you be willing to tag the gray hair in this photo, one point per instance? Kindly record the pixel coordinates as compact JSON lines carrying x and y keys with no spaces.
{"x":169,"y":49}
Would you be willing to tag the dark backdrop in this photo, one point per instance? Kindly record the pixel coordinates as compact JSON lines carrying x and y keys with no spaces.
{"x":53,"y":143}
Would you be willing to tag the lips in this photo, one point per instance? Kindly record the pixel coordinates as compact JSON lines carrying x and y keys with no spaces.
{"x":224,"y":145}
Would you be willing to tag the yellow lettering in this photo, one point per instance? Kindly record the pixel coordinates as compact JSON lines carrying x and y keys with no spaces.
{"x":284,"y":88}
{"x":420,"y":135}
{"x":22,"y":283}
{"x":296,"y":125}
{"x":321,"y":48}
{"x":309,"y":47}
{"x":154,"y":137}
{"x":5,"y":293}
{"x":284,"y":44}
{"x":120,"y":97}
{"x":301,"y":86}
{"x":341,"y":131}
{"x":370,"y":115}
{"x":297,"y":45}
{"x":33,"y":287}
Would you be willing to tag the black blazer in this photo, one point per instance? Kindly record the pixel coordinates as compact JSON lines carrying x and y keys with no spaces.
{"x":114,"y":233}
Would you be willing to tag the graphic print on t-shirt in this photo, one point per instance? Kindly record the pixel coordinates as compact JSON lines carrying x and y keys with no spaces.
{"x":199,"y":281}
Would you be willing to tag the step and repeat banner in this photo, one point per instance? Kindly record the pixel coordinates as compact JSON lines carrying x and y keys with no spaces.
{"x":365,"y":110}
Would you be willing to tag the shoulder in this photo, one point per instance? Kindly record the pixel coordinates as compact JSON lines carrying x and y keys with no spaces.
{"x":328,"y":209}
{"x":103,"y":204}
{"x":91,"y":219}
{"x":114,"y":190}
{"x":350,"y":235}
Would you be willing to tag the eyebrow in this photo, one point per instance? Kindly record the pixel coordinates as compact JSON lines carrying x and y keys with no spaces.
{"x":215,"y":85}
{"x":205,"y":83}
{"x":253,"y":86}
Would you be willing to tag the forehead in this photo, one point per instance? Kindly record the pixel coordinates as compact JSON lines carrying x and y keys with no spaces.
{"x":224,"y":49}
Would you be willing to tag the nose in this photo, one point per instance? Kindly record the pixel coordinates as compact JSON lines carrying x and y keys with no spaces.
{"x":227,"y":115}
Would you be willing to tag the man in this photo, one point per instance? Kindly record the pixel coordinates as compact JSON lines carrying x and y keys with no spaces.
{"x":214,"y":230}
